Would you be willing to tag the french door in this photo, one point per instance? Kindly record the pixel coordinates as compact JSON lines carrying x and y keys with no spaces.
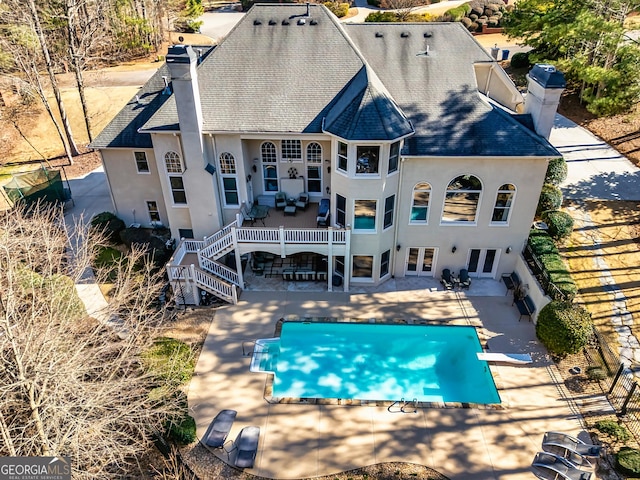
{"x":420,"y":261}
{"x":482,"y":262}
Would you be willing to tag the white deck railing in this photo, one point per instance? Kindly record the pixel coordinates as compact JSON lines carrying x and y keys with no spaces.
{"x":290,"y":235}
{"x":216,"y":286}
{"x":221,"y":280}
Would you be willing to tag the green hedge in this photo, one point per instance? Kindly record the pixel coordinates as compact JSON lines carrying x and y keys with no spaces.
{"x":550,"y":198}
{"x":560,"y":224}
{"x":564,"y":328}
{"x":556,"y":170}
{"x":545,"y":250}
{"x":381,"y":17}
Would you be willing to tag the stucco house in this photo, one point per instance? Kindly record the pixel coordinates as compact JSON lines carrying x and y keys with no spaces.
{"x":428,"y":154}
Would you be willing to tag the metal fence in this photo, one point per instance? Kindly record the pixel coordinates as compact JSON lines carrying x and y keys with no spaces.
{"x":541,"y":274}
{"x":621,"y":387}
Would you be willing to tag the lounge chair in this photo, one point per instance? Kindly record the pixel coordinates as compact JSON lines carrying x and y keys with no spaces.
{"x":570,"y":444}
{"x":324,"y":210}
{"x":303,"y":201}
{"x":463,"y":279}
{"x":281,"y":200}
{"x":247,"y":447}
{"x":219,"y":427}
{"x":447,"y":279}
{"x":559,"y":467}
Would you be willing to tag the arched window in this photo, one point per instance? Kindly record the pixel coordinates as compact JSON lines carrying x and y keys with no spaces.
{"x":502,"y":208}
{"x":227,"y":164}
{"x":228,"y":178}
{"x":461,"y":200}
{"x":268,"y":152}
{"x":314,"y":168}
{"x":420,"y":205}
{"x":173,"y":164}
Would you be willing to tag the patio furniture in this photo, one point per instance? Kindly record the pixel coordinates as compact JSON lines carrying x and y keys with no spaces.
{"x":447,"y":279}
{"x":463,"y":279}
{"x":570,"y":444}
{"x":303,"y":201}
{"x":257,"y":212}
{"x":511,"y":281}
{"x":219,"y":428}
{"x":559,"y":467}
{"x":324,"y":212}
{"x":525,"y":306}
{"x":281,"y":200}
{"x":247,"y":447}
{"x":290,"y":210}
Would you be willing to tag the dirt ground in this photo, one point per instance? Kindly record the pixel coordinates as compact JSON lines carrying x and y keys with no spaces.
{"x":618,"y":229}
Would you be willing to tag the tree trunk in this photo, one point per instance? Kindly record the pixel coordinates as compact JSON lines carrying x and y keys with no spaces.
{"x":76,"y":59}
{"x":54,"y":84}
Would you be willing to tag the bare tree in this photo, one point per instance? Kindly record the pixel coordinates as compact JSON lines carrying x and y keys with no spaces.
{"x":35,"y":18}
{"x":18,"y":37}
{"x":72,"y":385}
{"x":403,"y":8}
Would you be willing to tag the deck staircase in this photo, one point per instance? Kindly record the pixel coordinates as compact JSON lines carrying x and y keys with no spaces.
{"x":225,"y":283}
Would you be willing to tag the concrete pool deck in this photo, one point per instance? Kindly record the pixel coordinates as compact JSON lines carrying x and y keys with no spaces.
{"x":300,"y":440}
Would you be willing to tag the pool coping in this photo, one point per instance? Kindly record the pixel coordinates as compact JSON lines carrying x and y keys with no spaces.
{"x":482,"y":336}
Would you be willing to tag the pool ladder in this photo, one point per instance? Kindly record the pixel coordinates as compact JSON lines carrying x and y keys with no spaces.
{"x":404,"y":404}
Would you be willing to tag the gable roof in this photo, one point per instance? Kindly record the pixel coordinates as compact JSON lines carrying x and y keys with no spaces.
{"x":292,"y":68}
{"x":122,"y":131}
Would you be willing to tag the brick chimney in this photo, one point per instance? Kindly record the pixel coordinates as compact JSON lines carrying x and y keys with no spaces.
{"x":544,"y":87}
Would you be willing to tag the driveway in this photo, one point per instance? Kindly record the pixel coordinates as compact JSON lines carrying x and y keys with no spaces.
{"x":595,"y":169}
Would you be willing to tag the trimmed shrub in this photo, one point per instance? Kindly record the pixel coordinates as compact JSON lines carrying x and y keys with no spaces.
{"x":466,"y":21}
{"x":545,"y":250}
{"x":521,"y":60}
{"x":458,"y":13}
{"x":550,"y":198}
{"x":541,"y":243}
{"x":377,"y":17}
{"x":557,"y":169}
{"x":564,"y":328}
{"x":628,"y":461}
{"x":560,"y":224}
{"x":183,"y":430}
{"x":338,"y":9}
{"x":613,"y":429}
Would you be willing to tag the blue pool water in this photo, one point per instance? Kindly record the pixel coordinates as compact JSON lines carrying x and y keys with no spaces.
{"x":380,"y":362}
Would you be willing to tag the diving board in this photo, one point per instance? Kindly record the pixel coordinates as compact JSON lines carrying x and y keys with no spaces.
{"x":519,"y":358}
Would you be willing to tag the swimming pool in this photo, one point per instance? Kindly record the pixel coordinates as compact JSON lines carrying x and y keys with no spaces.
{"x":426,"y":363}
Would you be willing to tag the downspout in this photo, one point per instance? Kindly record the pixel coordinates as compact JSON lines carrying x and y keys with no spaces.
{"x":397,"y":223}
{"x":486,"y":89}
